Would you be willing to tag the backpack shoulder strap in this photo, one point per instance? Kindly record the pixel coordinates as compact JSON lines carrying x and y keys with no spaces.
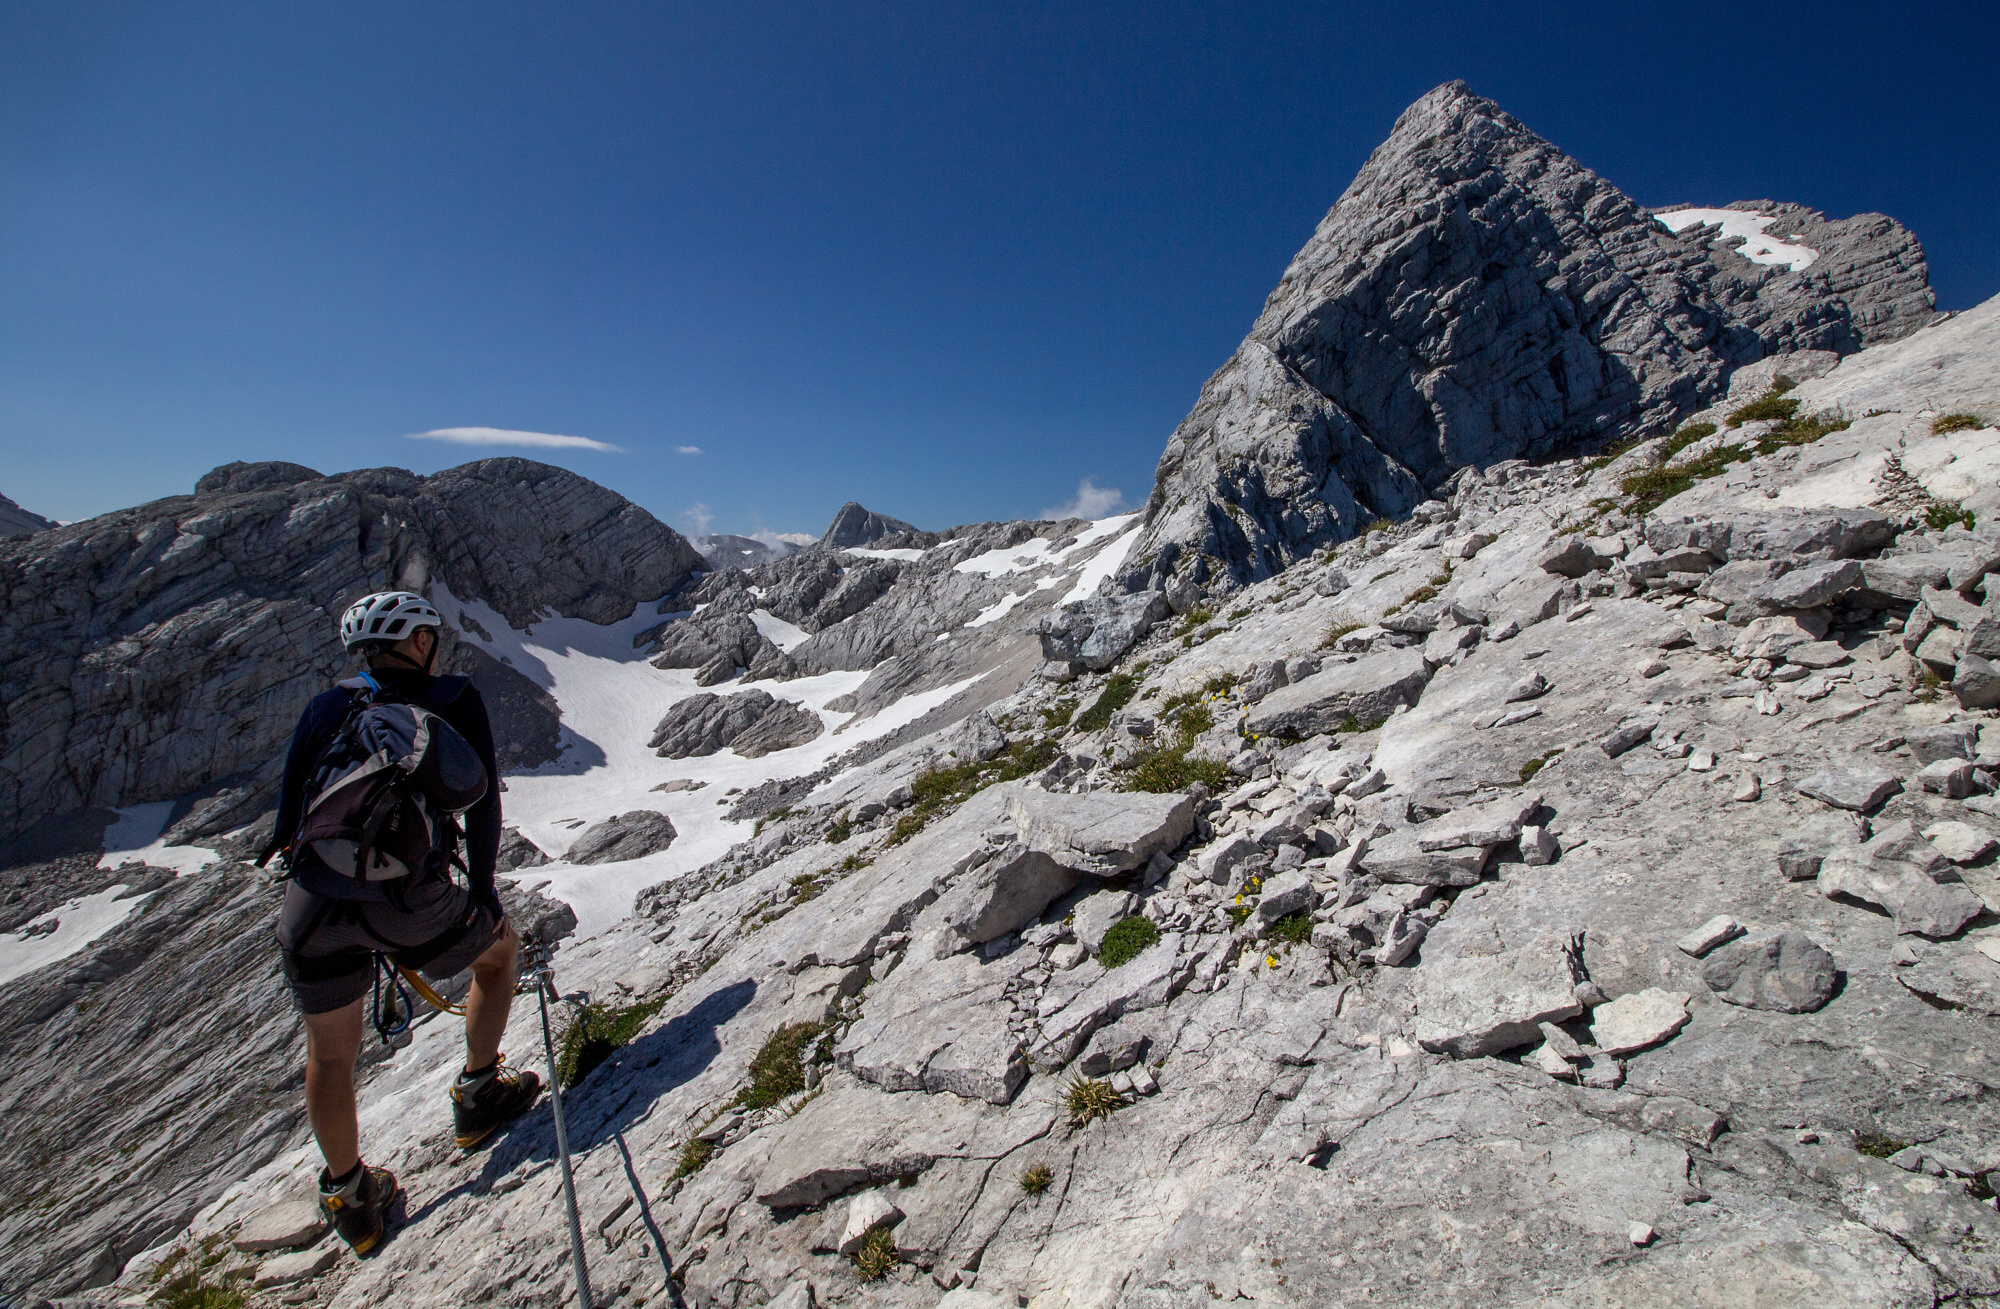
{"x":448,"y":688}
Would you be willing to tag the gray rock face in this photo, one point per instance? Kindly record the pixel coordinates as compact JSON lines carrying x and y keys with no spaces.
{"x":517,"y":851}
{"x":626,"y":836}
{"x":1362,"y":382}
{"x":752,"y":723}
{"x":854,"y":527}
{"x":1481,"y":1005}
{"x":1366,"y":691}
{"x":153,"y":651}
{"x":16,"y":521}
{"x":1785,"y":972}
{"x":1095,"y":632}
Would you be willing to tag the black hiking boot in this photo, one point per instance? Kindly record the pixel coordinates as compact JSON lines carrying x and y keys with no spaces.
{"x":355,"y":1208}
{"x":482,"y":1101}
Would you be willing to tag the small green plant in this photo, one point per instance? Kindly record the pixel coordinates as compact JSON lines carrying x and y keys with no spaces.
{"x":1193,"y":720}
{"x":1421,"y":594}
{"x":876,"y":1257}
{"x":1377,"y":525}
{"x":908,"y":826}
{"x":1168,"y":769}
{"x":181,"y":1280}
{"x":1293,"y":929}
{"x":854,"y":863}
{"x":1036,"y":1178}
{"x":1088,"y":1099}
{"x":1655,"y":486}
{"x":1238,"y":914}
{"x":1220,"y":684}
{"x":1941,"y":516}
{"x":1800,"y":431}
{"x":1196,"y":617}
{"x":777,"y":815}
{"x":779,"y":1069}
{"x":1058,"y":714}
{"x":1118,"y":691}
{"x":1772,"y":405}
{"x":1238,"y":615}
{"x":694,"y":1156}
{"x":599,"y":1031}
{"x":939,"y":788}
{"x":1945,"y":424}
{"x":1878,"y":1146}
{"x":1354,"y":726}
{"x":1127,"y":937}
{"x":839,"y":830}
{"x":1533,"y":766}
{"x":805,"y":886}
{"x":1687,"y":436}
{"x":1334,"y":633}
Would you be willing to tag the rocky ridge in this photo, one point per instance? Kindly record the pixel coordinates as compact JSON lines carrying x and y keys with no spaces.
{"x":1477,"y":296}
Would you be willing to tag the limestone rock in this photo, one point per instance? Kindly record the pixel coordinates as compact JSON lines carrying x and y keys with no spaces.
{"x":1096,"y":913}
{"x":1483,"y":1005}
{"x":1782,"y":971}
{"x":1101,"y":832}
{"x":853,"y":527}
{"x":283,"y":1226}
{"x":1710,"y":934}
{"x":1966,"y":979}
{"x":1341,"y":695}
{"x":1398,"y":857}
{"x":1859,"y":790}
{"x":517,"y":851}
{"x":1962,"y":843}
{"x":16,"y":521}
{"x":285,"y":1269}
{"x":1920,"y":905}
{"x":752,"y":723}
{"x":866,"y":1212}
{"x":631,"y":835}
{"x":1637,"y":1020}
{"x":1097,"y":631}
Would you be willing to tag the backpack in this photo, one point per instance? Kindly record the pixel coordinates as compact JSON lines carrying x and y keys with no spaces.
{"x":385,"y":793}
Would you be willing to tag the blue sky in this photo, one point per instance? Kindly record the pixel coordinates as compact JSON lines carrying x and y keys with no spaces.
{"x":947,"y":260}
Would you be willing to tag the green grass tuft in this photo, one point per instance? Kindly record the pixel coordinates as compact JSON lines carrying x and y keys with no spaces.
{"x":1533,"y":766}
{"x":1088,"y":1099}
{"x":942,"y":788}
{"x":1036,"y":1178}
{"x":1058,"y":714}
{"x":1127,"y":937}
{"x":876,"y":1258}
{"x":1687,"y":436}
{"x":599,"y":1032}
{"x":1773,"y":404}
{"x":694,"y":1156}
{"x":1118,"y":691}
{"x":839,"y":830}
{"x":779,"y":1069}
{"x":1945,"y":424}
{"x":1877,"y":1146}
{"x":1293,"y":929}
{"x":1655,"y":486}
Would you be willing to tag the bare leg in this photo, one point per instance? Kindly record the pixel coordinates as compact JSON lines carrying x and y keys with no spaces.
{"x":491,"y":997}
{"x":333,"y":1040}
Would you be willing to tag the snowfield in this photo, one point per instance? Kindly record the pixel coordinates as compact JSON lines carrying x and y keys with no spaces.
{"x":1757,"y":247}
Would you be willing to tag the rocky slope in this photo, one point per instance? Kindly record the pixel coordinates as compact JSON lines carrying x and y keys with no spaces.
{"x":1578,"y":890}
{"x":1588,"y":897}
{"x":1476,"y":295}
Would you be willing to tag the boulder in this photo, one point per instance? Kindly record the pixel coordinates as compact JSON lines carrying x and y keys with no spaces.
{"x":1286,"y":894}
{"x":1962,"y":843}
{"x":1861,"y":790}
{"x":1812,"y":586}
{"x":1801,"y":850}
{"x":1003,"y":894}
{"x":517,"y":851}
{"x":1487,"y":1004}
{"x":282,"y":1226}
{"x":1494,"y":823}
{"x":1782,"y":971}
{"x":1943,"y":741}
{"x":1342,"y":696}
{"x":1398,"y":857}
{"x":1921,"y":906}
{"x":1710,"y":934}
{"x":1100,"y":832}
{"x":286,"y":1269}
{"x":1966,"y":980}
{"x":1634,"y":1021}
{"x":1574,"y":556}
{"x":631,"y":835}
{"x":1976,"y":682}
{"x":1096,"y":914}
{"x":752,"y":723}
{"x":1097,"y":631}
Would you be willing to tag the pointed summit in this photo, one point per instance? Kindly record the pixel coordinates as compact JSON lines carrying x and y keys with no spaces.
{"x":854,"y":527}
{"x":1477,"y":295}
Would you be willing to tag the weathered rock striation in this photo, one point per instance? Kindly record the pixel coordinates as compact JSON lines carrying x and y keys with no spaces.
{"x":1474,"y":296}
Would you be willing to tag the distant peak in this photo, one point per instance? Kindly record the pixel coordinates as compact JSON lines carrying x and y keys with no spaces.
{"x":854,"y":527}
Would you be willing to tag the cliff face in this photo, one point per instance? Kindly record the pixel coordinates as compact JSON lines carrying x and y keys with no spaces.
{"x":1477,"y":295}
{"x":159,"y":650}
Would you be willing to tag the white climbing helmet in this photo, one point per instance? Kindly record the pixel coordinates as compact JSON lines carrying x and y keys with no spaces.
{"x":385,"y":618}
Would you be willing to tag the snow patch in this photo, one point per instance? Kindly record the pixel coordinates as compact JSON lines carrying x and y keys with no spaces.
{"x":781,"y":633}
{"x":135,"y":839}
{"x":907,"y":556}
{"x":78,"y":923}
{"x":1106,"y":561}
{"x":994,"y":612}
{"x":1757,"y":247}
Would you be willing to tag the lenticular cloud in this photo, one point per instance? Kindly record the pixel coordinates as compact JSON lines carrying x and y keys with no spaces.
{"x":503,"y":436}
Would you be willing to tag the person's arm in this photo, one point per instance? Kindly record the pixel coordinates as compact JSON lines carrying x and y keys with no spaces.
{"x":482,"y":821}
{"x":305,"y":748}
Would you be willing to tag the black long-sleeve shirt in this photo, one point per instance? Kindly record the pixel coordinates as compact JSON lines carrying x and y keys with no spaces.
{"x":466,"y":712}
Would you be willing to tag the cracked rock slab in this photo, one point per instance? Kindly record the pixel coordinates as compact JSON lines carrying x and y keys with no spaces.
{"x":1487,"y":1004}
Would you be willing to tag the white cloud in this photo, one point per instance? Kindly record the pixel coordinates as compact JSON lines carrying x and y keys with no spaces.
{"x":776,"y":539}
{"x":502,"y":436}
{"x":687,"y":449}
{"x":698,"y":517}
{"x":1090,"y":501}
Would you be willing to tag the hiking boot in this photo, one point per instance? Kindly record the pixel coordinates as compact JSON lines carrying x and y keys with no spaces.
{"x":482,"y":1101}
{"x":356,"y":1208}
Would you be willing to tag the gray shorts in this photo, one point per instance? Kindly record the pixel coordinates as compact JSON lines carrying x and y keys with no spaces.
{"x":328,"y":944}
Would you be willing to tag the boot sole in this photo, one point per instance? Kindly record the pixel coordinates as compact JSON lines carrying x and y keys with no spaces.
{"x":472,"y":1139}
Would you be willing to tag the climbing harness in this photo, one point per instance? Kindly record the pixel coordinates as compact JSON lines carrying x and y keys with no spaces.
{"x":536,"y":972}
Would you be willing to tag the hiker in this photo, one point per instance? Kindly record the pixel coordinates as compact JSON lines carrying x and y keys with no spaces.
{"x":369,"y":863}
